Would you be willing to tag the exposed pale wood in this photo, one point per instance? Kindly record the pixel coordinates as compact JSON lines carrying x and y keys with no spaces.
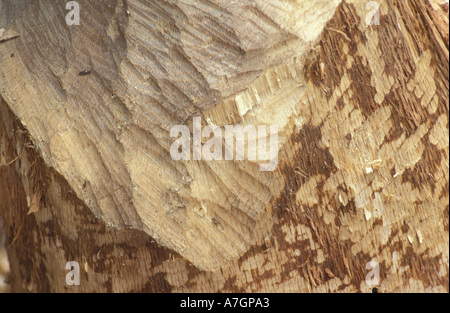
{"x":155,"y":64}
{"x":363,"y":160}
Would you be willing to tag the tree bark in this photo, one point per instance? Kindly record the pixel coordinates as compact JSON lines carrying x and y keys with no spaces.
{"x":361,"y":107}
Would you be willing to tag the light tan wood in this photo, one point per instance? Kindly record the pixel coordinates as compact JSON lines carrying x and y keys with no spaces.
{"x":362,"y":113}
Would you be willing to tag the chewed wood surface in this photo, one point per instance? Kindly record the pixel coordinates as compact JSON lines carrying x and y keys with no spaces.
{"x":362,"y":113}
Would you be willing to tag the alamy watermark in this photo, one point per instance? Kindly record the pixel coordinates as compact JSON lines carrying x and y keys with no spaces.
{"x":73,"y":277}
{"x":373,"y":17}
{"x":73,"y":17}
{"x":373,"y":277}
{"x":258,"y":147}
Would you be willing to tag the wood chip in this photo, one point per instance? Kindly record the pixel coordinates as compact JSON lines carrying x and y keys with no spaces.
{"x":34,"y":205}
{"x":7,"y":34}
{"x":329,"y":272}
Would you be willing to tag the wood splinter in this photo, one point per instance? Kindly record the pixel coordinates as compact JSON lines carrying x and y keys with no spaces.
{"x":7,"y":34}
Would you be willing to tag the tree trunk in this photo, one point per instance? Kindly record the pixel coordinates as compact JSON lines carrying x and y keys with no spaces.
{"x":358,"y":91}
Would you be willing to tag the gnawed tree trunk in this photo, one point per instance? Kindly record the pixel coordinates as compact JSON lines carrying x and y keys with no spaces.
{"x":362,"y":175}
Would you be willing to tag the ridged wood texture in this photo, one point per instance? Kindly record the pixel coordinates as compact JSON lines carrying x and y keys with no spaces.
{"x":363,"y":162}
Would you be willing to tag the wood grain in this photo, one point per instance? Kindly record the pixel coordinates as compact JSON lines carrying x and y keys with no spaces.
{"x":363,"y":160}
